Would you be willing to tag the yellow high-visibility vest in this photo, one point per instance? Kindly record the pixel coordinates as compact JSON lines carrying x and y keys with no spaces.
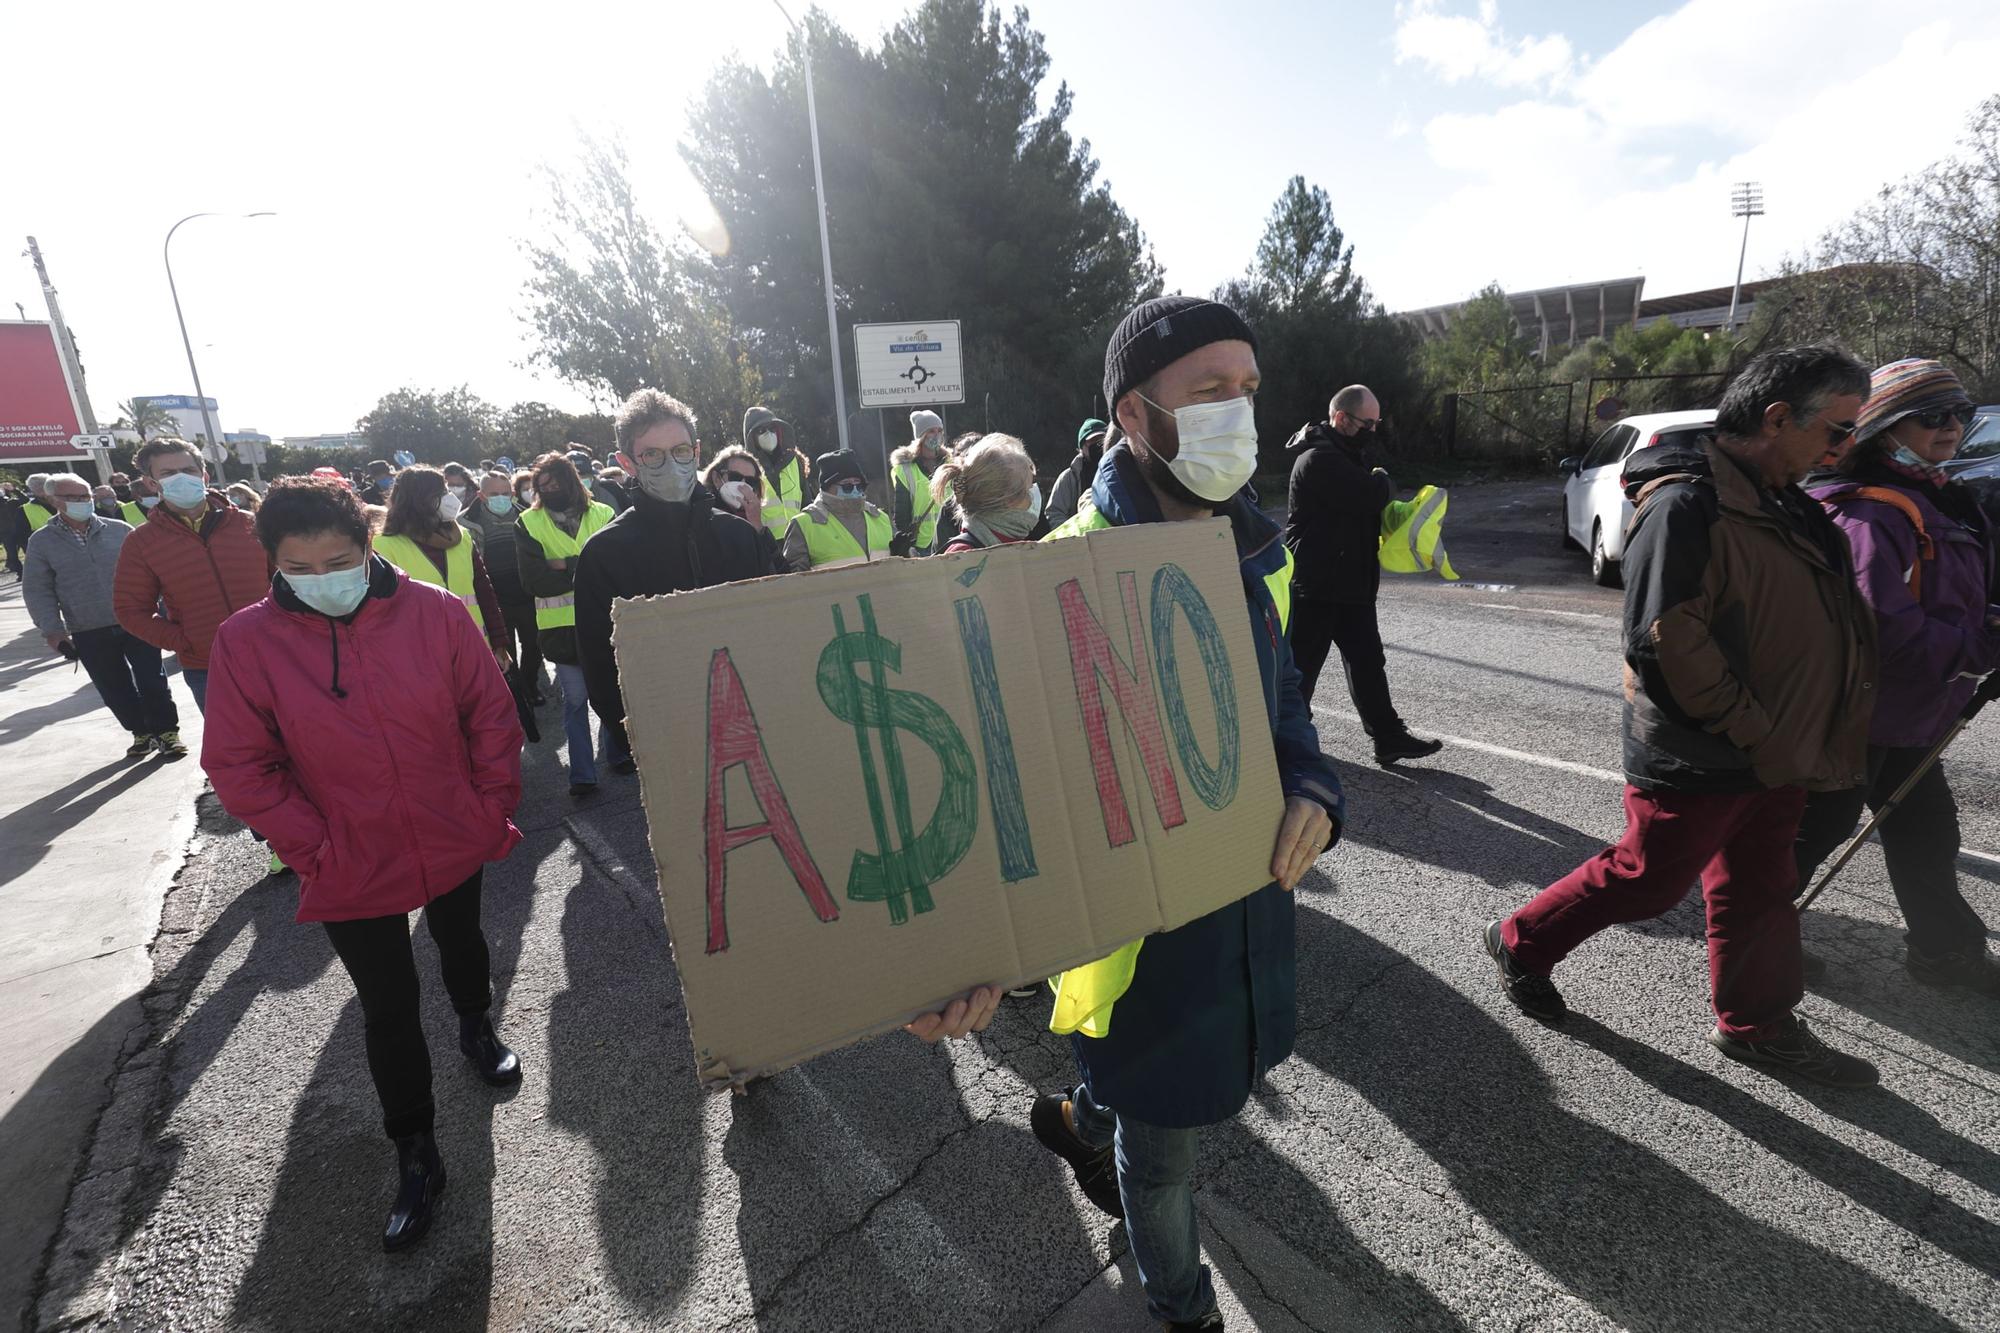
{"x":409,"y":557}
{"x":559,"y":612}
{"x":1413,"y":535}
{"x":131,"y":512}
{"x":923,"y":506}
{"x":830,"y":545}
{"x":776,"y":516}
{"x":37,"y":514}
{"x":1084,"y":995}
{"x":791,"y":487}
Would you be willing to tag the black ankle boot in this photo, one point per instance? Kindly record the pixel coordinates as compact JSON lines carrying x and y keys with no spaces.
{"x":488,"y":1054}
{"x":422,"y":1173}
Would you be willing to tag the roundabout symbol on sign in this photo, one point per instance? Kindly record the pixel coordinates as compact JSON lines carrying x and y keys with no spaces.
{"x":916,"y":374}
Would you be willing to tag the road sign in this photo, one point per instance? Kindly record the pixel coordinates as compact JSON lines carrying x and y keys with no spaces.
{"x":909,"y":365}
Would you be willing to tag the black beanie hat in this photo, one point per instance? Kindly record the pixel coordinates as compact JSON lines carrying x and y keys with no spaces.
{"x":838,"y":466}
{"x":1160,"y":332}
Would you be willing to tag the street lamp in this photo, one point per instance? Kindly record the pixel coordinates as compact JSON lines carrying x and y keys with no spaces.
{"x":166,"y":253}
{"x":1746,"y":201}
{"x":825,"y":249}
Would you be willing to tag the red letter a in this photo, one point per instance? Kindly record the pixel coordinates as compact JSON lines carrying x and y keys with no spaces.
{"x":733,"y":739}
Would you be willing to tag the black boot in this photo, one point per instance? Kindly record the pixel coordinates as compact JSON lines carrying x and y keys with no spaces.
{"x":488,"y":1054}
{"x":422,"y":1172}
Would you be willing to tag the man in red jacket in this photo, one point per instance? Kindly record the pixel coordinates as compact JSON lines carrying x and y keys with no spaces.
{"x":193,"y":563}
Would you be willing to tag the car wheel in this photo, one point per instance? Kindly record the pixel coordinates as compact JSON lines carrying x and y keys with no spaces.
{"x":1602,"y":567}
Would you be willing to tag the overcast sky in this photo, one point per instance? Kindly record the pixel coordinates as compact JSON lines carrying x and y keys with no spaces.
{"x":1462,"y":141}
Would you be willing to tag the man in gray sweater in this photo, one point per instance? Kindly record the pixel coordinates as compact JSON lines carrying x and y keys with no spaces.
{"x":66,"y":582}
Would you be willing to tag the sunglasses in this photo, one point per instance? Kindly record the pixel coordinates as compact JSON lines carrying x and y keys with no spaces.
{"x":1938,"y":418}
{"x":1836,"y":430}
{"x":750,"y":480}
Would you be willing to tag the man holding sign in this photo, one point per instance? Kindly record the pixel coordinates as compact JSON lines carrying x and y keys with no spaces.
{"x":1203,"y":1010}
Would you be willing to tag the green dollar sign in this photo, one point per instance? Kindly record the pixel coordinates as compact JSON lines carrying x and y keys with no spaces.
{"x":908,"y":862}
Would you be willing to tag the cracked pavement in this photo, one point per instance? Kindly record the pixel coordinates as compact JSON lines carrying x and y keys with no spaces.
{"x":1429,"y":1158}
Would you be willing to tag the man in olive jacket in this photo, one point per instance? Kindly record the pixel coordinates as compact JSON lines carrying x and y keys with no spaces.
{"x":1749,"y":680}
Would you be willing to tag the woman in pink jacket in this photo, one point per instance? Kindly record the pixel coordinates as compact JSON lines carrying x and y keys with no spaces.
{"x":358,"y":721}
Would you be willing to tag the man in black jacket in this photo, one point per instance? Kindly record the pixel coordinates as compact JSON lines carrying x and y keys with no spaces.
{"x":674,"y":538}
{"x":1334,"y":527}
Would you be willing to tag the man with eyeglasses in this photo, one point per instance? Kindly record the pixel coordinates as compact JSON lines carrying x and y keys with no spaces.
{"x":1750,"y":669}
{"x":1334,"y":526}
{"x":676,"y":537}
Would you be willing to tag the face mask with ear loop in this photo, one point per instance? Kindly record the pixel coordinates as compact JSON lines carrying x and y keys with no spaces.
{"x":1218,"y":446}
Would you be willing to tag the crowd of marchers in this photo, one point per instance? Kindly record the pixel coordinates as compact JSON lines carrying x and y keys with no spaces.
{"x":1808,"y":609}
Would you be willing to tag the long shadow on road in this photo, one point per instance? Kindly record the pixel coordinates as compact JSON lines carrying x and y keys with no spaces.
{"x":316,"y":1264}
{"x":1879,"y":1189}
{"x":1648,"y":1246}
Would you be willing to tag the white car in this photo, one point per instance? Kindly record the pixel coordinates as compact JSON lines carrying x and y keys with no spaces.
{"x":1595,"y":510}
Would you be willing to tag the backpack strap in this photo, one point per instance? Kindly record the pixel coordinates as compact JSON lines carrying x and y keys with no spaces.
{"x":1902,"y":503}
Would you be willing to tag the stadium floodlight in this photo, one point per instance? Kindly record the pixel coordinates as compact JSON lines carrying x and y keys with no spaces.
{"x":1746,"y":201}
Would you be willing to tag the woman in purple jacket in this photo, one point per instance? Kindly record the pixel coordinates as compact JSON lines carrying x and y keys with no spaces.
{"x":1923,"y":556}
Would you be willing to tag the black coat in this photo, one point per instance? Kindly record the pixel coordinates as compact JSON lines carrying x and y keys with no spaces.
{"x":652,"y":549}
{"x":1333,"y":522}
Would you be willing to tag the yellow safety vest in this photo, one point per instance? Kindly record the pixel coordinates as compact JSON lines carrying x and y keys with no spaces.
{"x":1413,"y":535}
{"x":131,"y":512}
{"x":1084,"y":995}
{"x":791,"y":487}
{"x":560,"y":612}
{"x":830,"y":545}
{"x":38,"y":514}
{"x":923,"y":506}
{"x":776,"y":516}
{"x":410,"y":557}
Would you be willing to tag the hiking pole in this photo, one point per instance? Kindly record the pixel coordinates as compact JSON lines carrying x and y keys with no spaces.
{"x":1988,"y":690}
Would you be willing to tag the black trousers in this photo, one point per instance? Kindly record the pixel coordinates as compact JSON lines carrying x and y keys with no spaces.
{"x":1317,"y":628}
{"x":376,"y":953}
{"x":129,"y":678}
{"x":524,"y":639}
{"x":1919,"y":841}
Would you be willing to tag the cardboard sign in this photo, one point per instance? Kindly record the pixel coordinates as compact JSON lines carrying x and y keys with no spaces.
{"x":872,"y":789}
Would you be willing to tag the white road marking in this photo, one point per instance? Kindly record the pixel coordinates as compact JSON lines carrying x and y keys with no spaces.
{"x":1482,"y":587}
{"x":1585,"y":770}
{"x":1503,"y":752}
{"x":1545,"y":611}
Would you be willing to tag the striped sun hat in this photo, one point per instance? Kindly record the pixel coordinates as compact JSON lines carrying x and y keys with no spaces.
{"x":1913,"y":384}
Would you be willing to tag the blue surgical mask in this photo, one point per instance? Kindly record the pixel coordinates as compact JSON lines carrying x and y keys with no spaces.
{"x":184,"y":490}
{"x":149,"y":501}
{"x":79,"y":510}
{"x":335,"y":594}
{"x":500,"y":504}
{"x":850,"y":490}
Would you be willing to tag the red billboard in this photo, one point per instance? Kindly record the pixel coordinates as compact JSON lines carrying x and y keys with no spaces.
{"x":37,"y":412}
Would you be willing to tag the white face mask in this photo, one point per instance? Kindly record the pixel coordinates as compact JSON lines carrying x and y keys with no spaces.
{"x":449,"y":507}
{"x":1035,"y":499}
{"x":1218,"y":453}
{"x":736,"y":493}
{"x":768,"y":441}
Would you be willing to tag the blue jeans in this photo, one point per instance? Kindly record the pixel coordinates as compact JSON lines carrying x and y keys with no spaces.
{"x":576,"y":726}
{"x":576,"y":723}
{"x":1155,"y":1171}
{"x":197,"y":683}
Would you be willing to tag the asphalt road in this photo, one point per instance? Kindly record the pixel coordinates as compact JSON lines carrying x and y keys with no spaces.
{"x":1429,"y":1159}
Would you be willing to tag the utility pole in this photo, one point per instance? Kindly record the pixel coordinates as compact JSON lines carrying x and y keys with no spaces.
{"x":1746,"y":201}
{"x":65,"y":344}
{"x":825,"y":247}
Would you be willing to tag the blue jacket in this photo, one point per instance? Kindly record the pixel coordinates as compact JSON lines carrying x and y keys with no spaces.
{"x":1214,"y":1003}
